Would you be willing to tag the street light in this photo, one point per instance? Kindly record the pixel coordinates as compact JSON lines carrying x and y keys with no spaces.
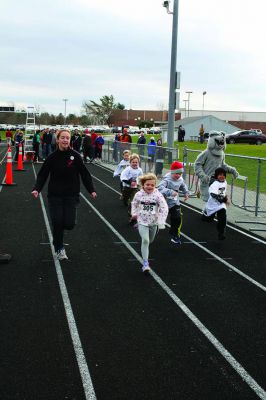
{"x":137,"y":121}
{"x":203,"y":94}
{"x":172,"y":86}
{"x":188,"y":100}
{"x":65,"y":100}
{"x":185,"y":101}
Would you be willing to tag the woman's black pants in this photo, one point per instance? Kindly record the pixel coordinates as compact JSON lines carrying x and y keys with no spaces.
{"x":63,"y":213}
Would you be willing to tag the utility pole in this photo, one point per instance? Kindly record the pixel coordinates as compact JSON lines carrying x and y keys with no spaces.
{"x":188,"y":101}
{"x":65,"y":100}
{"x":172,"y":86}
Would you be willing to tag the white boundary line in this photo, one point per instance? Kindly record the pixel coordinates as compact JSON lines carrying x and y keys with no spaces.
{"x":230,"y":266}
{"x":260,"y":392}
{"x":81,"y":360}
{"x":229,"y":225}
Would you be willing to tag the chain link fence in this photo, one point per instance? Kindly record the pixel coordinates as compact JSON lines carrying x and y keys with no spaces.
{"x":248,"y":191}
{"x":155,"y":159}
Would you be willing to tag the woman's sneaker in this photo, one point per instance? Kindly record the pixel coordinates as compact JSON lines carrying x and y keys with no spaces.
{"x":145,"y":267}
{"x":176,"y":239}
{"x":61,"y":255}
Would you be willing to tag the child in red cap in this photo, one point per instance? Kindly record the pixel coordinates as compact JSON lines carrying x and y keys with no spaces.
{"x":170,"y":186}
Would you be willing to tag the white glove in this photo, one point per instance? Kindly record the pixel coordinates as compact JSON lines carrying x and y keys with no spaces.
{"x":205,"y":179}
{"x":161,"y":226}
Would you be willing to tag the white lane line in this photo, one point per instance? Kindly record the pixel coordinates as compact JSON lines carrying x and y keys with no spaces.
{"x":228,"y":225}
{"x":223,"y":261}
{"x":260,"y":392}
{"x":81,"y":360}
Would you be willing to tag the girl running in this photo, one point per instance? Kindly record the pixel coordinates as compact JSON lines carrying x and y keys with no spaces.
{"x":150,"y":210}
{"x":121,"y":166}
{"x":65,"y":166}
{"x":129,"y":179}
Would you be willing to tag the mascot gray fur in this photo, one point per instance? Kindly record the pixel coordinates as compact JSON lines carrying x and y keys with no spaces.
{"x":210,"y":159}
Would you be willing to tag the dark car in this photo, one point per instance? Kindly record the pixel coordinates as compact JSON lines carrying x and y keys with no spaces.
{"x":246,"y":136}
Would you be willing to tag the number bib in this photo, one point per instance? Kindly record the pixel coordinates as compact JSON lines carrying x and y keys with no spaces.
{"x":148,"y":208}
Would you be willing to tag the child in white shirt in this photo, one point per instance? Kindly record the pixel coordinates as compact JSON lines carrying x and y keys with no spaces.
{"x":123,"y":163}
{"x":129,"y":179}
{"x":120,"y":167}
{"x":217,"y":202}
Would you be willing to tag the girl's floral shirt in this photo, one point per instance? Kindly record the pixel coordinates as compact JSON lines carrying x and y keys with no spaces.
{"x":151,"y":209}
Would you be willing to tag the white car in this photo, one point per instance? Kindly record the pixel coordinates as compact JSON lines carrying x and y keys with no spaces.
{"x":256,"y":130}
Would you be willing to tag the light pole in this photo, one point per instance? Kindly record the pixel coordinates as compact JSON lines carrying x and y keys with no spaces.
{"x":137,"y":120}
{"x":203,"y":94}
{"x":185,"y":101}
{"x":65,"y":100}
{"x":172,"y":86}
{"x":188,"y":100}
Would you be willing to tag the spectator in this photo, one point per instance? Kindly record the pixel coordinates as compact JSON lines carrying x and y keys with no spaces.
{"x":76,"y":141}
{"x":125,"y":140}
{"x":19,"y":139}
{"x":46,"y":143}
{"x":141,"y":144}
{"x":201,"y":134}
{"x":151,"y":149}
{"x":88,"y":150}
{"x":99,"y":142}
{"x":159,"y":158}
{"x":181,"y":133}
{"x":93,"y":138}
{"x":116,"y":147}
{"x":36,"y":145}
{"x":9,"y":137}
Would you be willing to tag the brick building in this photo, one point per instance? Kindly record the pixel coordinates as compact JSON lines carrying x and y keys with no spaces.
{"x":134,"y":117}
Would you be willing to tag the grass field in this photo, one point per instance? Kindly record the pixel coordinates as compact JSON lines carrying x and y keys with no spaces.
{"x":245,"y":167}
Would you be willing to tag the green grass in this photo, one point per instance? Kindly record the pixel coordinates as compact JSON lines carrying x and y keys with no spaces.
{"x":245,"y":167}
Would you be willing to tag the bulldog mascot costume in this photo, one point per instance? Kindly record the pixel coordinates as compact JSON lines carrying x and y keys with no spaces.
{"x":210,"y":159}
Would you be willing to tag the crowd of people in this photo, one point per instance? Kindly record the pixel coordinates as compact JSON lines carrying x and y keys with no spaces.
{"x":148,"y":201}
{"x":44,"y":143}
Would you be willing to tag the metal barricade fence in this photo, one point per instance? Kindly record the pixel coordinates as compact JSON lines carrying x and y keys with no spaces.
{"x":152,"y":158}
{"x":248,"y":191}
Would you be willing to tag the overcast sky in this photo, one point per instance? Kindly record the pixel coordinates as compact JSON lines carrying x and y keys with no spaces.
{"x":84,"y":49}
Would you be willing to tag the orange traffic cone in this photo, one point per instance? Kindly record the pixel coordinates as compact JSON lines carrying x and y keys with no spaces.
{"x":9,"y":175}
{"x":20,"y":159}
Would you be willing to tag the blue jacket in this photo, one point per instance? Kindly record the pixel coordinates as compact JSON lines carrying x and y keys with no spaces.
{"x":151,"y":148}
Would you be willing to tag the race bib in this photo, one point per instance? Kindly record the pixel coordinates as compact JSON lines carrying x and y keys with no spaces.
{"x":148,"y":208}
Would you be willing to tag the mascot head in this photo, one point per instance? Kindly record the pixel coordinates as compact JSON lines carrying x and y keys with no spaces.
{"x":216,"y":142}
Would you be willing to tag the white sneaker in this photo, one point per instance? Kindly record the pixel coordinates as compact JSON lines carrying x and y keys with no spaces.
{"x":61,"y":255}
{"x":146,"y":267}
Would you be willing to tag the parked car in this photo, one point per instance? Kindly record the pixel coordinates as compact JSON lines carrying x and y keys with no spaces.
{"x":246,"y":136}
{"x":256,"y":130}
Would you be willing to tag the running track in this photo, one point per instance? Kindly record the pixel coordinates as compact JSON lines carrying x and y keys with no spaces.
{"x":96,"y":327}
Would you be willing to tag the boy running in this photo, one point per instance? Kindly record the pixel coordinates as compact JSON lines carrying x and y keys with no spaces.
{"x":170,"y":186}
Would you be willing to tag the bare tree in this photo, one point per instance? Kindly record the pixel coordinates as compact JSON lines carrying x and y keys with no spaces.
{"x":102,"y":111}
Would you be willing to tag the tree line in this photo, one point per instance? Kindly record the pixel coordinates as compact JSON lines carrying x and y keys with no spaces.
{"x":93,"y":113}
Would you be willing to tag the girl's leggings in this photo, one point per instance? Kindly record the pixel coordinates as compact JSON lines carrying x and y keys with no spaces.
{"x":147,"y":234}
{"x":63,"y":213}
